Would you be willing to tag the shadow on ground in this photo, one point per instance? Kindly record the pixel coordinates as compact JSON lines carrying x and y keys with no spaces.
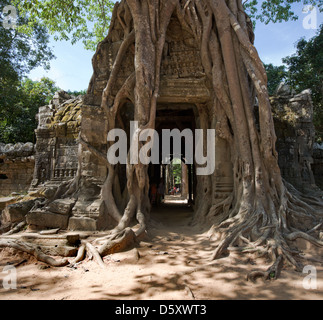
{"x":171,"y":264}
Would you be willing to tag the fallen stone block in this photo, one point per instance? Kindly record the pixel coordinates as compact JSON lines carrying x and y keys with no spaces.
{"x":82,"y":224}
{"x":47,"y":219}
{"x":17,"y":212}
{"x":70,"y":239}
{"x":63,"y":251}
{"x":61,"y":206}
{"x":6,"y":201}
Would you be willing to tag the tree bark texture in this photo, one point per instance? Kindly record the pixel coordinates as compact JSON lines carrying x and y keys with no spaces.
{"x":261,"y":213}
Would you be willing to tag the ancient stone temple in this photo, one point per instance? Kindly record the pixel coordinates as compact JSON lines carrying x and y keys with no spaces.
{"x":57,"y":162}
{"x":16,"y":168}
{"x":184,"y":74}
{"x":184,"y":90}
{"x":57,"y":150}
{"x":293,"y":116}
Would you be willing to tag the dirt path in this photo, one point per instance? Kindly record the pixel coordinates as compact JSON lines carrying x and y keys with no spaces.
{"x":164,"y":267}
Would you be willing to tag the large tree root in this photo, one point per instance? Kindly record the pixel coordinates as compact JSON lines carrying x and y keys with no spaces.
{"x":34,"y":251}
{"x":36,"y":246}
{"x":261,"y":215}
{"x":94,"y":252}
{"x":117,"y":242}
{"x":271,"y":273}
{"x":248,"y":232}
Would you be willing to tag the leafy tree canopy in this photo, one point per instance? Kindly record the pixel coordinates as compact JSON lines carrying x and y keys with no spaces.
{"x":276,"y":10}
{"x":75,"y":20}
{"x":19,"y":54}
{"x":305,"y":71}
{"x":276,"y":75}
{"x":17,"y":123}
{"x":88,"y":20}
{"x":76,"y":93}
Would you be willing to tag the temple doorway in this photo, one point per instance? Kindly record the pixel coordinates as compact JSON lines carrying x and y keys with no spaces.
{"x":173,"y":179}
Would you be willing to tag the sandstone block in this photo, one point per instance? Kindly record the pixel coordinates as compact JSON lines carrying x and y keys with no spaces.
{"x":82,"y":224}
{"x":63,"y":251}
{"x":47,"y":219}
{"x":61,"y":206}
{"x":16,"y":212}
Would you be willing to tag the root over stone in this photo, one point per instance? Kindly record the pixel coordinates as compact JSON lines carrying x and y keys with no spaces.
{"x":262,"y":214}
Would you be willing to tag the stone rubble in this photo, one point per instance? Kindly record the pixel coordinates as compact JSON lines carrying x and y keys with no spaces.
{"x":58,"y":157}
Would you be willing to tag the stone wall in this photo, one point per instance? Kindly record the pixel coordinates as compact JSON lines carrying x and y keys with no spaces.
{"x":16,"y":168}
{"x":183,"y":79}
{"x":58,"y":157}
{"x":317,"y":165}
{"x":293,"y":117}
{"x":56,"y":148}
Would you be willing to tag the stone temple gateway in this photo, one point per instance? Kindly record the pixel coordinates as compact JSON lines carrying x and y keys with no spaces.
{"x":185,"y":89}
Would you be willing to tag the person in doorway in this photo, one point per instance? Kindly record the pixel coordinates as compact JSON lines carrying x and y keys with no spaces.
{"x":153,"y":194}
{"x":160,"y":192}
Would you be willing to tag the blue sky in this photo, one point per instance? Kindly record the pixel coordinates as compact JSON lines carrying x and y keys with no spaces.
{"x":72,"y":68}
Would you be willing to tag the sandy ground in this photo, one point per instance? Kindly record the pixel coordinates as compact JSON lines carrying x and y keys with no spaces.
{"x":167,"y":266}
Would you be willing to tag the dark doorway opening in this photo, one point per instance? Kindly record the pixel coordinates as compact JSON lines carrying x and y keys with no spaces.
{"x":178,"y":177}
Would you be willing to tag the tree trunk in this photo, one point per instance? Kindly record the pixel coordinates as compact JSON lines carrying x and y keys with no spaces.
{"x":261,"y":212}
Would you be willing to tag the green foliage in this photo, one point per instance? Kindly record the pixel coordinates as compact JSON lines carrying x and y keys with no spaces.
{"x":176,"y":168}
{"x":17,"y":123}
{"x":305,"y":71}
{"x":276,"y":10}
{"x":19,"y":54}
{"x":22,"y":52}
{"x":76,"y":93}
{"x":38,"y":92}
{"x":75,"y":20}
{"x":276,"y":75}
{"x":88,"y":20}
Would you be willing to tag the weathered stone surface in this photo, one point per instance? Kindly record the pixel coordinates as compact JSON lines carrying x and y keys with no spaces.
{"x":47,"y":219}
{"x":56,"y":157}
{"x":63,"y":251}
{"x":293,"y":117}
{"x":17,"y":212}
{"x":183,"y":78}
{"x":317,"y":165}
{"x":59,"y":156}
{"x":61,"y":206}
{"x":127,"y":257}
{"x":19,"y":150}
{"x":284,"y":90}
{"x":60,"y":97}
{"x":82,"y":224}
{"x":16,"y":167}
{"x":70,"y":239}
{"x":6,"y":201}
{"x":44,"y":192}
